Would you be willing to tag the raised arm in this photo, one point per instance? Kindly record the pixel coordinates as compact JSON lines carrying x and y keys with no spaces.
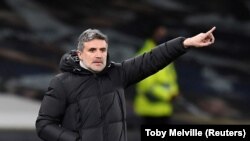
{"x":140,"y":67}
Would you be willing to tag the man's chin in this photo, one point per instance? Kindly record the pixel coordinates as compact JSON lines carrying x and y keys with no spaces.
{"x":97,"y":69}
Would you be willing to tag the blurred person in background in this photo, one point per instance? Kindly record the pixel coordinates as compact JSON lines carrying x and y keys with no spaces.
{"x":155,"y":94}
{"x":86,"y":102}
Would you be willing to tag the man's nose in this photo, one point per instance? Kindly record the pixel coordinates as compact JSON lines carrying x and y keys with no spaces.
{"x":98,"y":54}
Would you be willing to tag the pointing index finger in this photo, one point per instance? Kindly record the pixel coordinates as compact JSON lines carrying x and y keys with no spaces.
{"x":211,"y":30}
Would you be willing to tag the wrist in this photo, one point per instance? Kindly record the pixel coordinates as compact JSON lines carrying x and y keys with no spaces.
{"x":187,"y":43}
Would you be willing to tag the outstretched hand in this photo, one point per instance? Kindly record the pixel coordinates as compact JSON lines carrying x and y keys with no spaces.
{"x":200,"y":40}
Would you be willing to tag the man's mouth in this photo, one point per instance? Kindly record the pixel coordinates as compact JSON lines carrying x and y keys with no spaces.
{"x":97,"y":62}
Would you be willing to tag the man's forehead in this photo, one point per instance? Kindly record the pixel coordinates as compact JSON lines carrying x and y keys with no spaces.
{"x":96,"y":43}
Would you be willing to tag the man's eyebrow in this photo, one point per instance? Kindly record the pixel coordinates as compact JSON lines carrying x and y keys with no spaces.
{"x":92,"y":48}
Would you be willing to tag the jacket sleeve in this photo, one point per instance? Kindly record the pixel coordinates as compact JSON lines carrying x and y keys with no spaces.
{"x":140,"y":67}
{"x":48,"y":123}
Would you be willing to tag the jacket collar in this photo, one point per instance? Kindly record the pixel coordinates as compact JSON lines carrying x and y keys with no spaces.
{"x":70,"y":62}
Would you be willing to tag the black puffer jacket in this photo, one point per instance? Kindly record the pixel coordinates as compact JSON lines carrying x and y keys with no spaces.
{"x":80,"y":105}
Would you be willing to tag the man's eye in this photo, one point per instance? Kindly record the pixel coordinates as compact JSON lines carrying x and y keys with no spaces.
{"x":103,"y":50}
{"x":92,"y":50}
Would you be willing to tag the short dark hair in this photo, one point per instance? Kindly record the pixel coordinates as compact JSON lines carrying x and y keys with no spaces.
{"x":88,"y":35}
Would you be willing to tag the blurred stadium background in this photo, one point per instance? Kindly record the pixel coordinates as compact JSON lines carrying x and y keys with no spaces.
{"x":214,"y":82}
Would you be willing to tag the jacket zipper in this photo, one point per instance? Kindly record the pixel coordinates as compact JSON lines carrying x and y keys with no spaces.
{"x":105,"y":131}
{"x":99,"y":93}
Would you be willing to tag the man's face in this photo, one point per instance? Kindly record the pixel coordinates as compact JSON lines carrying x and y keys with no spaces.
{"x":94,"y":55}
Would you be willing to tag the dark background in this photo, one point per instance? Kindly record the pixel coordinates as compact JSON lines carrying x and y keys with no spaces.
{"x":214,"y":81}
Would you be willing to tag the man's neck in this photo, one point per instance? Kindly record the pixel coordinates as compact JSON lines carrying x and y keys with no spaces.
{"x":84,"y":66}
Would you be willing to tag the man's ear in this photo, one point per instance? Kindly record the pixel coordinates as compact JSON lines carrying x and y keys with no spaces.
{"x":79,"y":54}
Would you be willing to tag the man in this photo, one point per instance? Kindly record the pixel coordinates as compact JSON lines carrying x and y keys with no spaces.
{"x":86,"y":101}
{"x":155,"y":94}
